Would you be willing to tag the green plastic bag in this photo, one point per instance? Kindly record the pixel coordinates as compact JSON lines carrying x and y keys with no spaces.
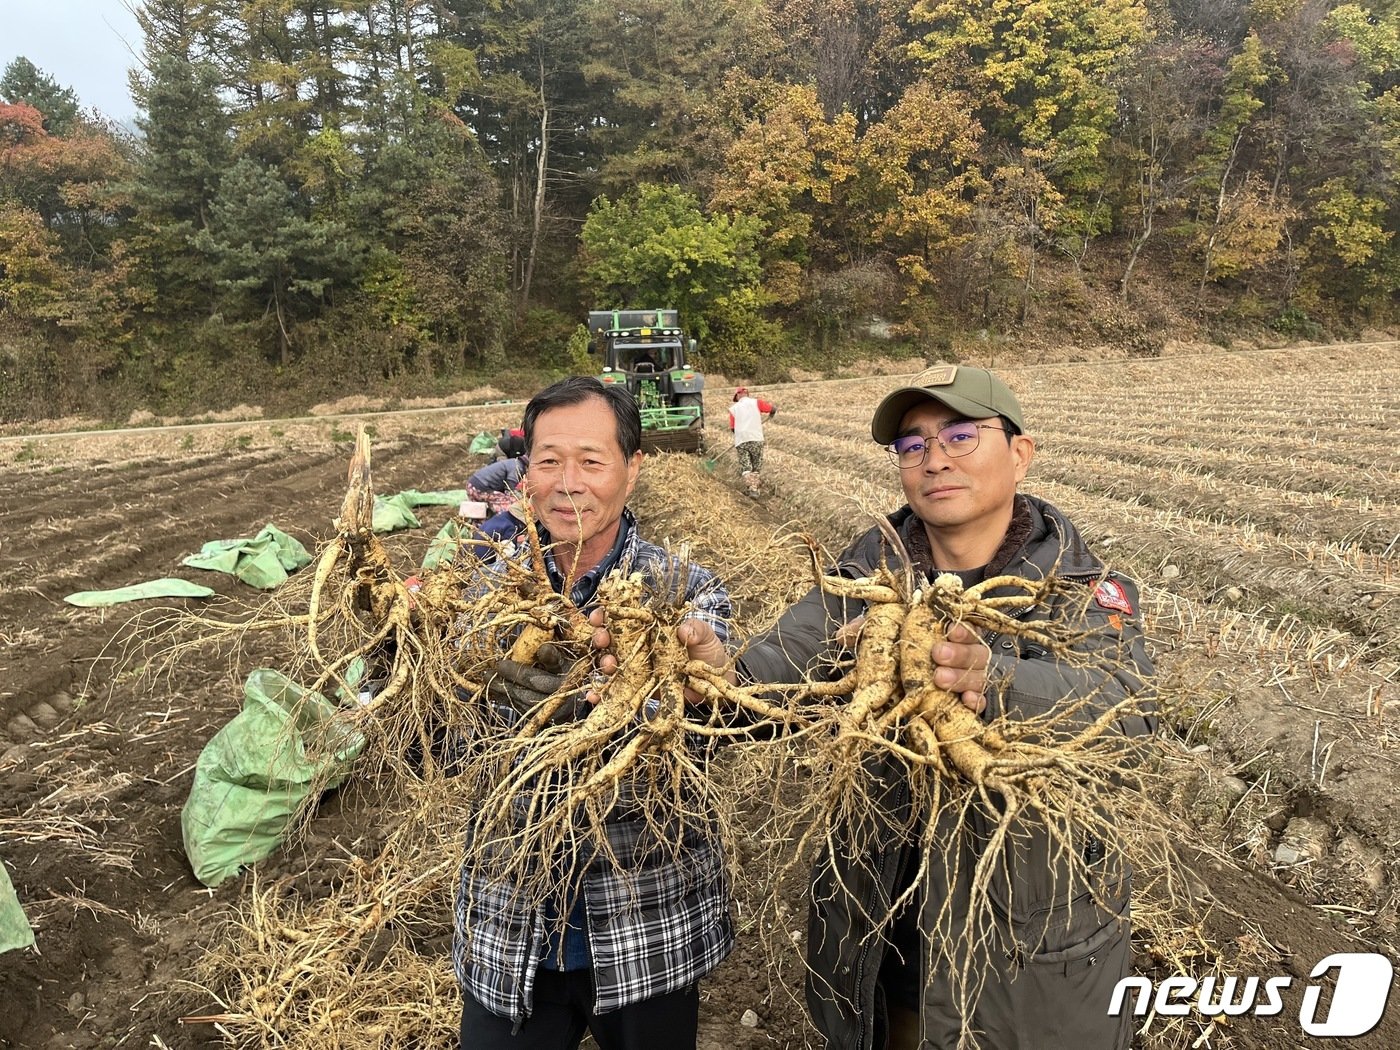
{"x":257,"y":772}
{"x":262,"y":561}
{"x":482,"y":444}
{"x":15,"y":931}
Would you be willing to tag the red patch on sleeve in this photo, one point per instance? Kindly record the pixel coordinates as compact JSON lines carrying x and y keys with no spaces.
{"x":1110,"y":594}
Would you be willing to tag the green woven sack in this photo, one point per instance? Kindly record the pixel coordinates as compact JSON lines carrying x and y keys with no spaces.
{"x":257,"y":772}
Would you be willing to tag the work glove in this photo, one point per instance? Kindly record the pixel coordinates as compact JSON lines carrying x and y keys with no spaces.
{"x":517,"y":689}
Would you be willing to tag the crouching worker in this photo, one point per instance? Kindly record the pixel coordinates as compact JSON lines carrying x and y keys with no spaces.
{"x":621,"y":952}
{"x":496,"y":483}
{"x":1048,"y":952}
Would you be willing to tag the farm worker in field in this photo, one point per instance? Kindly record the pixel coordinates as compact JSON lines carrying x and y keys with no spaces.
{"x":502,"y":526}
{"x":511,"y":443}
{"x":643,"y":928}
{"x":1058,"y":946}
{"x":495,"y":484}
{"x":746,"y":416}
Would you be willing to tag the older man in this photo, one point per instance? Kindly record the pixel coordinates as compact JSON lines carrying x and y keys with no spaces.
{"x":1050,"y":960}
{"x":622,"y":953}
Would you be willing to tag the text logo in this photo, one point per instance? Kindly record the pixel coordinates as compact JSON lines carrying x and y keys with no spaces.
{"x":1362,"y":988}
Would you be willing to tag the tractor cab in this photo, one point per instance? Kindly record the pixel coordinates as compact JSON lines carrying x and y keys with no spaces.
{"x":647,"y":351}
{"x":647,"y":358}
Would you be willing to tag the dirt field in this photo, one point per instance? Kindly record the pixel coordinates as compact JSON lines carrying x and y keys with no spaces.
{"x":1254,"y":495}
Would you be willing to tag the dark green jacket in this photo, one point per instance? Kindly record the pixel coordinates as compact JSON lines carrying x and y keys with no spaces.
{"x":1056,"y":946}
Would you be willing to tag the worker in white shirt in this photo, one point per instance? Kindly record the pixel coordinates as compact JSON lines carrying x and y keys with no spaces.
{"x":746,"y":416}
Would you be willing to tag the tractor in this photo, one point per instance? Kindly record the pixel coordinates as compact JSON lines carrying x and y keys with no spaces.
{"x":647,"y":350}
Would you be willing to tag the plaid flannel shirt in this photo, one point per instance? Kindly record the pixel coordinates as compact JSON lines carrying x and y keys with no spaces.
{"x":658,"y":919}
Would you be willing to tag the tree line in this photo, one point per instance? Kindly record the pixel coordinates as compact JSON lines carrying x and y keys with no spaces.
{"x":327,"y":193}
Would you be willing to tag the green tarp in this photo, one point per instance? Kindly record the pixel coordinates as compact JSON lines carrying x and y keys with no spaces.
{"x":15,"y":931}
{"x":392,"y":513}
{"x":482,"y":444}
{"x":263,"y":561}
{"x":166,"y":587}
{"x":257,"y":771}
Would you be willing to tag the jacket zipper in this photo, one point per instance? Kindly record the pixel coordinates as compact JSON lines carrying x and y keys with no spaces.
{"x":865,"y":951}
{"x":995,"y":636}
{"x":1021,"y":614}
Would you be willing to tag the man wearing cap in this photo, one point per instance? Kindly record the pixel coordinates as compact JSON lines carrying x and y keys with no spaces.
{"x":746,"y":416}
{"x":511,"y":443}
{"x":1056,"y":947}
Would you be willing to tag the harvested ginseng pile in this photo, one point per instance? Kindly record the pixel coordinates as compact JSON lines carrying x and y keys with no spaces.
{"x":545,"y":785}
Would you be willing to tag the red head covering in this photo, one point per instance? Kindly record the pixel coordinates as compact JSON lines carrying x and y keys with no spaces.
{"x":743,"y":391}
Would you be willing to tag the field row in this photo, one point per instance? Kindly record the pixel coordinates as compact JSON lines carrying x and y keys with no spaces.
{"x":1229,"y":536}
{"x":1367,"y":491}
{"x":1358,"y":531}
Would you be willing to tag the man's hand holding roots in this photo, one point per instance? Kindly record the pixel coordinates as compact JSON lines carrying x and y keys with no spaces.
{"x":960,"y":659}
{"x":699,"y":639}
{"x":518,"y":690}
{"x":960,"y":666}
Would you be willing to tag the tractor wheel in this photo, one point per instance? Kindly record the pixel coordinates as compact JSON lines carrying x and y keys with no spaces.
{"x":692,"y":401}
{"x":697,"y":429}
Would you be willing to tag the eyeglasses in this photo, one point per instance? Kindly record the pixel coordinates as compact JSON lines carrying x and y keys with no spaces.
{"x":956,"y":439}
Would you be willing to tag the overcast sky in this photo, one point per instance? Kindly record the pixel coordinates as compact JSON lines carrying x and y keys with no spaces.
{"x":86,"y":45}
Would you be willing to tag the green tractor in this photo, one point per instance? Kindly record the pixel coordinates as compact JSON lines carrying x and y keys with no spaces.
{"x":647,"y":351}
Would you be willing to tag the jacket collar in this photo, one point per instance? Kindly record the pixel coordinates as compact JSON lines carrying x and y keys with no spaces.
{"x":623,"y":550}
{"x":1039,"y":541}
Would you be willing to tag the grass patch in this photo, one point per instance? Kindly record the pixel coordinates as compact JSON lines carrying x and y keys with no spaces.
{"x":1308,"y":615}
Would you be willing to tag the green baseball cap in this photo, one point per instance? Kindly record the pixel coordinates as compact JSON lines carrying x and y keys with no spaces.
{"x":968,"y":391}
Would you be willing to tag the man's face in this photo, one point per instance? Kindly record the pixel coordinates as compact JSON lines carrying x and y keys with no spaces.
{"x":954,"y":492}
{"x":578,"y":479}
